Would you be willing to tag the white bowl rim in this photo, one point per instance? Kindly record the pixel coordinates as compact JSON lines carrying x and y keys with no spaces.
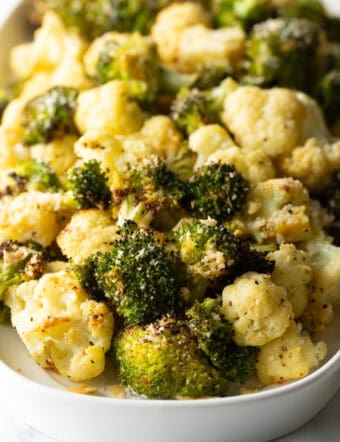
{"x":331,"y":365}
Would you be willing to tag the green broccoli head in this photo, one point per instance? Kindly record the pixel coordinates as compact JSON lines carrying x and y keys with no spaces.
{"x":214,"y":336}
{"x":216,"y":191}
{"x":139,"y":276}
{"x":50,"y":115}
{"x":162,"y":360}
{"x":192,"y":109}
{"x":88,"y":184}
{"x":283,"y":52}
{"x":20,"y":262}
{"x":243,"y":12}
{"x":133,"y":61}
{"x":329,"y":95}
{"x":152,"y":192}
{"x":207,"y":249}
{"x":95,"y":17}
{"x":36,"y":175}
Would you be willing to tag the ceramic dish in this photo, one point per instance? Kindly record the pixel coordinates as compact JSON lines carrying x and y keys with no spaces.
{"x":41,"y":399}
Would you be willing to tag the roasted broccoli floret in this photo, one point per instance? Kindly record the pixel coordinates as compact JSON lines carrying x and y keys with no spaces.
{"x":95,"y":17}
{"x":244,"y":12}
{"x":283,"y":52}
{"x":50,"y":115}
{"x":329,"y":95}
{"x":151,"y":193}
{"x":134,"y":61}
{"x":162,"y":360}
{"x":214,"y":336}
{"x":36,"y":175}
{"x":192,"y":109}
{"x":20,"y":262}
{"x":88,"y":184}
{"x":86,"y":273}
{"x":139,"y":276}
{"x":216,"y":191}
{"x":207,"y":249}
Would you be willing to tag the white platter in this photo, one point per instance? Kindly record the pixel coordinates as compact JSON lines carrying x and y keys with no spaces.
{"x":41,"y":399}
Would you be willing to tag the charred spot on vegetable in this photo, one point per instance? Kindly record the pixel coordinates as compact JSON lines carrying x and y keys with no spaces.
{"x":20,"y":262}
{"x":38,"y":174}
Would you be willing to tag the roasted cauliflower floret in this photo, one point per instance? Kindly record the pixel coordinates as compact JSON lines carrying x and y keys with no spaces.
{"x":207,"y":140}
{"x":293,"y":272}
{"x":11,"y":134}
{"x":258,"y":309}
{"x":108,"y":109}
{"x":325,"y":288}
{"x":325,"y":262}
{"x":270,"y":120}
{"x":29,"y":216}
{"x":170,"y":24}
{"x":278,"y":209}
{"x":314,"y":125}
{"x":61,"y":328}
{"x":313,"y":164}
{"x":291,"y":356}
{"x":199,"y":46}
{"x":88,"y":232}
{"x":52,"y":45}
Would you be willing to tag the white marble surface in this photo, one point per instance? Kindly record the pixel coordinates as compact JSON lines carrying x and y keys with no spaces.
{"x":325,"y":427}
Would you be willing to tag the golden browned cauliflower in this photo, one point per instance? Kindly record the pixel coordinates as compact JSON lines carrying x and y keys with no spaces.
{"x":289,"y":357}
{"x":171,"y":22}
{"x":278,"y":210}
{"x":207,"y":140}
{"x":88,"y":232}
{"x":293,"y":272}
{"x":60,"y":326}
{"x":258,"y":309}
{"x":271,"y":120}
{"x":106,"y":108}
{"x":199,"y":46}
{"x":29,"y":216}
{"x":313,"y":163}
{"x":53,"y":44}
